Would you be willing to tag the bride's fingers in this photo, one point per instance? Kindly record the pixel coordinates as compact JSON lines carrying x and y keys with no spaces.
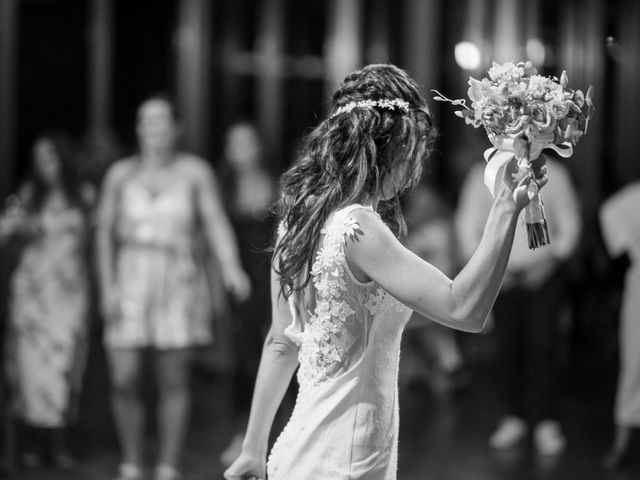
{"x":540,"y":172}
{"x":542,"y":180}
{"x":524,"y":188}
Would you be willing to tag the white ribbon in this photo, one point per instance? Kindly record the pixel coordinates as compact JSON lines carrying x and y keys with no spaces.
{"x":503,"y":151}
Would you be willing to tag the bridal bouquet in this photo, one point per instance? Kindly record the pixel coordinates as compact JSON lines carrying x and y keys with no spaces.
{"x":524,"y":113}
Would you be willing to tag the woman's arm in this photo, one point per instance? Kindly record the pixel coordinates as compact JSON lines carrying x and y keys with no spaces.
{"x":277,"y":365}
{"x":106,"y":218}
{"x":219,"y":233}
{"x":462,"y":303}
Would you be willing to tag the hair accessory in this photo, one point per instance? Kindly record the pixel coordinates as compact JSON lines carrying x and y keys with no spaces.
{"x":382,"y":103}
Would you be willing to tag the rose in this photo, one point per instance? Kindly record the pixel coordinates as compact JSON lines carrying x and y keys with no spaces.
{"x":541,"y":116}
{"x":537,"y":112}
{"x":493,"y":118}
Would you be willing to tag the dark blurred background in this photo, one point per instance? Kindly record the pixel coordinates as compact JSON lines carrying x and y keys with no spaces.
{"x":82,"y":65}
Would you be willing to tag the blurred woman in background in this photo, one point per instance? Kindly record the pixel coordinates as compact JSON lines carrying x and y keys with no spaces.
{"x":155,"y":209}
{"x":250,"y":193}
{"x":529,"y":312}
{"x":621,"y":233}
{"x":431,"y":236}
{"x":48,"y":304}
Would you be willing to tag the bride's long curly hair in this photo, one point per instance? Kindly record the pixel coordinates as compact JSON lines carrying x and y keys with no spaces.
{"x":348,"y":156}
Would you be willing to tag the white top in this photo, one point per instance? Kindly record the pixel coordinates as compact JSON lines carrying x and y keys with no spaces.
{"x":344,"y":425}
{"x":561,"y":208}
{"x":620,"y":221}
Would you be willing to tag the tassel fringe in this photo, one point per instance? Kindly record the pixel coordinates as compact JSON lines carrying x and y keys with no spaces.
{"x":538,"y":234}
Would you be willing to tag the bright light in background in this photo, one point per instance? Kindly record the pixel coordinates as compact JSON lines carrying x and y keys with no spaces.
{"x":536,"y":51}
{"x":467,"y":55}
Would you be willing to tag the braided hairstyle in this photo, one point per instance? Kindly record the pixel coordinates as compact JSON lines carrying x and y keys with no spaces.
{"x":347,"y":156}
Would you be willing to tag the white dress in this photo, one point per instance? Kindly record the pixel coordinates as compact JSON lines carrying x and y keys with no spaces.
{"x":621,"y":231}
{"x":344,"y":425}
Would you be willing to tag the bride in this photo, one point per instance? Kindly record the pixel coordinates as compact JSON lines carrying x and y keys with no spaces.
{"x":343,"y":286}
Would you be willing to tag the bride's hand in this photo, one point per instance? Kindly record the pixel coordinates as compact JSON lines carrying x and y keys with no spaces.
{"x":523,"y":190}
{"x":246,"y":467}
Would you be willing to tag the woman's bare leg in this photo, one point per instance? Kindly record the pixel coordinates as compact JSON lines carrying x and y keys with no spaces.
{"x":616,"y":456}
{"x":173,"y":373}
{"x":127,"y":404}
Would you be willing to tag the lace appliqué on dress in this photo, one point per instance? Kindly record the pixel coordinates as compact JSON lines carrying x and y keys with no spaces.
{"x":325,"y":340}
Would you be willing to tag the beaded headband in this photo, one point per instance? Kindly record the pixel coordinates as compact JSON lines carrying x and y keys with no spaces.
{"x":382,"y":103}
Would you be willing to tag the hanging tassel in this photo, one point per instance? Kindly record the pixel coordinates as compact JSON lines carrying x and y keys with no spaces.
{"x":537,"y":229}
{"x":538,"y":234}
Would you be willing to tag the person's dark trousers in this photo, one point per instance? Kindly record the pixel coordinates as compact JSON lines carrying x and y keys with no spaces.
{"x":528,"y":333}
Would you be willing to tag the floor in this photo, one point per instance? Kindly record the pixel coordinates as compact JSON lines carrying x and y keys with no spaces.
{"x":443,"y":436}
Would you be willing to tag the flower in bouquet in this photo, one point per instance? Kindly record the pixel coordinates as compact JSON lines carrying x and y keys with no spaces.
{"x":524,"y":113}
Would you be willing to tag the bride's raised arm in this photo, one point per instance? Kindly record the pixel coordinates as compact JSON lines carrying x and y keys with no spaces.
{"x":463,"y":302}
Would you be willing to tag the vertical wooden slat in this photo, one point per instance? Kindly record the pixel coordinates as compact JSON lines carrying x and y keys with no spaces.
{"x":422,"y":42}
{"x":624,"y":148}
{"x":230,"y":45}
{"x":100,"y":60}
{"x":8,"y":53}
{"x":343,"y":51}
{"x":532,"y":28}
{"x":193,"y":77}
{"x":582,"y":53}
{"x":271,"y":69}
{"x":8,"y":49}
{"x":532,"y":18}
{"x":508,"y":32}
{"x":475,"y":23}
{"x":377,"y":48}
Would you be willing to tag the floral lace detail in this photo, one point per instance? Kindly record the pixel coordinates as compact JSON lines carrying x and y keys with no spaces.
{"x":325,"y":340}
{"x":374,"y":304}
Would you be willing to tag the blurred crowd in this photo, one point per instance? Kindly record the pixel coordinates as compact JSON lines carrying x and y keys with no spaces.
{"x":163,"y":249}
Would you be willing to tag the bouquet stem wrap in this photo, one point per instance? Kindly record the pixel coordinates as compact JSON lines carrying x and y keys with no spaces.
{"x":527,"y":154}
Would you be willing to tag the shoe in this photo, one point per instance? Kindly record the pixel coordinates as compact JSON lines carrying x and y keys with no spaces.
{"x":63,"y":460}
{"x":510,"y":432}
{"x":167,"y":472}
{"x":615,"y":459}
{"x":31,"y":459}
{"x":548,"y":438}
{"x":128,"y":471}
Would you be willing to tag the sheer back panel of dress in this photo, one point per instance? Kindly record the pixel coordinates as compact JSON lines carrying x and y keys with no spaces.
{"x":344,"y":424}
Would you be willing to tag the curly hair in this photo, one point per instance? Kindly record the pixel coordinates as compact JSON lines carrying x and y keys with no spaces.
{"x":347,"y":156}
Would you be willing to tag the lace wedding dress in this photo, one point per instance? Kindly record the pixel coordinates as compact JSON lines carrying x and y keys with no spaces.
{"x":345,"y":422}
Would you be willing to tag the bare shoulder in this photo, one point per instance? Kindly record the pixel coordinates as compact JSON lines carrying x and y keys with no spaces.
{"x":368,"y":243}
{"x":369,"y":229}
{"x":120,"y":170}
{"x":195,"y":168}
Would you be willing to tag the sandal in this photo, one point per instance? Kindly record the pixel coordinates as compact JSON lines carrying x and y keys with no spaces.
{"x":167,"y":472}
{"x":128,"y":471}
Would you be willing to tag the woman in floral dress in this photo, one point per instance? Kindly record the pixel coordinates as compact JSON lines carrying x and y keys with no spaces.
{"x":48,"y":303}
{"x":343,"y":286}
